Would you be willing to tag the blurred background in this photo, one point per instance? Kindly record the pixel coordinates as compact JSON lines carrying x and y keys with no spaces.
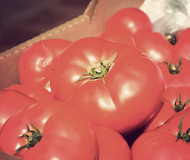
{"x":21,"y":20}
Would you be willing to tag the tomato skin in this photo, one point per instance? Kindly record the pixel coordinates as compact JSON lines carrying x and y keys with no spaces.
{"x":183,"y":33}
{"x":37,"y":93}
{"x":161,"y":116}
{"x":114,"y":105}
{"x":36,"y":62}
{"x":112,"y":146}
{"x":66,"y":133}
{"x":171,"y":95}
{"x":176,"y":80}
{"x":159,"y":146}
{"x":131,"y":20}
{"x":118,"y":37}
{"x":182,"y":47}
{"x":12,"y":101}
{"x":155,"y":45}
{"x":160,"y":143}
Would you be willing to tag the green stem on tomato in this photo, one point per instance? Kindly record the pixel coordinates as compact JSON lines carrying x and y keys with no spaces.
{"x":99,"y":71}
{"x":178,"y":105}
{"x":32,"y":139}
{"x":183,"y":135}
{"x":174,"y":68}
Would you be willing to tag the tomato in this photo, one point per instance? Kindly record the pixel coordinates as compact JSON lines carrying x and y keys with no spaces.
{"x":175,"y":100}
{"x":118,"y":37}
{"x":36,"y":62}
{"x":182,"y":47}
{"x":131,"y":20}
{"x":12,"y":101}
{"x":112,"y":146}
{"x":183,"y":33}
{"x":51,"y":130}
{"x":176,"y":72}
{"x":36,"y":93}
{"x":155,"y":45}
{"x":174,"y":61}
{"x":122,"y":96}
{"x":170,"y":141}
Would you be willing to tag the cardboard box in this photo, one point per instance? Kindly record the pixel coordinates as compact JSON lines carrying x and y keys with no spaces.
{"x":91,"y":23}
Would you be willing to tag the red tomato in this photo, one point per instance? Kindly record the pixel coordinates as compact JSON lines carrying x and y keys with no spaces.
{"x":183,"y":33}
{"x":176,"y":99}
{"x":118,"y":37}
{"x":61,"y":133}
{"x":176,"y":72}
{"x":112,"y":146}
{"x":155,"y":45}
{"x":122,"y":97}
{"x":131,"y":20}
{"x":36,"y":62}
{"x":12,"y":101}
{"x":36,"y":93}
{"x":182,"y":47}
{"x":167,"y":142}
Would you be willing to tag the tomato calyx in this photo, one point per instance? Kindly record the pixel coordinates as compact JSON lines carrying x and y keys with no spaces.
{"x":172,"y":38}
{"x":99,"y":70}
{"x":32,"y":139}
{"x":174,"y":68}
{"x":183,"y":135}
{"x":178,"y":105}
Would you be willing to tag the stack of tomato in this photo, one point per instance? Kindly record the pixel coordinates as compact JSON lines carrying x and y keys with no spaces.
{"x":121,"y":95}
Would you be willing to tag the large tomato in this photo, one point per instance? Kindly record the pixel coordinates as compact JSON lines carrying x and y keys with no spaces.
{"x":36,"y":62}
{"x":12,"y":101}
{"x":49,"y":130}
{"x":170,"y":141}
{"x":112,"y":84}
{"x":175,"y":100}
{"x":112,"y":146}
{"x":131,"y":20}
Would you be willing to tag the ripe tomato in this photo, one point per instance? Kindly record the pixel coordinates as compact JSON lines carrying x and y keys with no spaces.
{"x":12,"y":101}
{"x":182,"y":47}
{"x":170,"y":141}
{"x":176,"y":72}
{"x":51,"y":130}
{"x":175,"y":100}
{"x":112,"y":146}
{"x":36,"y":93}
{"x":155,"y":45}
{"x":118,"y":37}
{"x":131,"y":20}
{"x":108,"y":83}
{"x":36,"y":62}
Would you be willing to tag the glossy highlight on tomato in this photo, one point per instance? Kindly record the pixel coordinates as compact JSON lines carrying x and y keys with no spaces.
{"x":65,"y":133}
{"x":169,"y":141}
{"x":123,"y":99}
{"x":12,"y":101}
{"x":130,"y":20}
{"x":36,"y":62}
